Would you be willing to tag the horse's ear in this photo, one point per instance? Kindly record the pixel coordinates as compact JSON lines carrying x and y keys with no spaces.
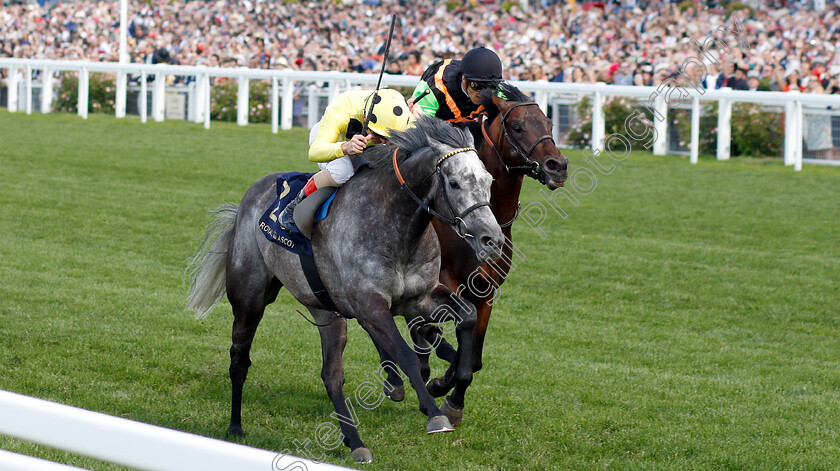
{"x":502,"y":104}
{"x":438,"y":147}
{"x":469,"y":136}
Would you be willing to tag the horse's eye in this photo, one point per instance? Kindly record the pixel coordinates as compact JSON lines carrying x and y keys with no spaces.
{"x":517,"y":127}
{"x":454,"y":185}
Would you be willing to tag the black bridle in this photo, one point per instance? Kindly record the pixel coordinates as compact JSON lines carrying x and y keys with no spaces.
{"x":456,"y":222}
{"x":530,"y":167}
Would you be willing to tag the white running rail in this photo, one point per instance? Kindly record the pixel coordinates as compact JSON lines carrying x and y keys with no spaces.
{"x":126,"y":442}
{"x":283,"y":88}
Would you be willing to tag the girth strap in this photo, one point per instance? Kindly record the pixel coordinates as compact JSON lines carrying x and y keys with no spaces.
{"x":310,"y":271}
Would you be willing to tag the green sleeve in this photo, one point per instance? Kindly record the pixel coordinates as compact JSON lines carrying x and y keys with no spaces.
{"x":428,"y":104}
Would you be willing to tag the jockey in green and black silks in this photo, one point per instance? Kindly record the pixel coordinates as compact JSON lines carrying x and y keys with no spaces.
{"x":450,"y":89}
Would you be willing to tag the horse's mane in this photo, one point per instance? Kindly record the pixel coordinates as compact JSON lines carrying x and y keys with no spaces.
{"x":416,"y":140}
{"x":506,"y":90}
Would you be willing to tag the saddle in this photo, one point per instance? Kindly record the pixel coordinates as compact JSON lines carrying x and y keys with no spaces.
{"x":312,"y":209}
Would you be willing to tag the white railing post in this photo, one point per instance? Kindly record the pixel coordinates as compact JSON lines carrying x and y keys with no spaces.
{"x":790,"y":133}
{"x":695,"y":130}
{"x":122,"y":92}
{"x":84,"y":80}
{"x":660,"y":126}
{"x":797,"y":165}
{"x":598,"y":122}
{"x":142,"y":100}
{"x":288,"y":101}
{"x":197,"y":98}
{"x":208,"y":108}
{"x":120,"y":100}
{"x":28,"y":89}
{"x":159,"y":97}
{"x":12,"y":90}
{"x":242,"y":105}
{"x":724,"y":131}
{"x":555,"y":118}
{"x":274,"y":102}
{"x":46,"y":90}
{"x":311,"y":106}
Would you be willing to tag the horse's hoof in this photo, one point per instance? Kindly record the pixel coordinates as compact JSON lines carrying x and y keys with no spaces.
{"x":455,"y":416}
{"x":235,"y":431}
{"x":396,"y":393}
{"x":436,"y":387}
{"x":361,"y":455}
{"x":439,"y":424}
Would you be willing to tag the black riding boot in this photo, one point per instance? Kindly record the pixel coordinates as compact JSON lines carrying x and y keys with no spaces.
{"x":287,"y":221}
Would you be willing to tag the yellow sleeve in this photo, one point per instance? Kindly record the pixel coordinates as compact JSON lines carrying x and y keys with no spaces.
{"x":330,"y":135}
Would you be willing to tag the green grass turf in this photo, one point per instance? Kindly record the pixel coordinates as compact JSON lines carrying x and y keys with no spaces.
{"x":681,"y":317}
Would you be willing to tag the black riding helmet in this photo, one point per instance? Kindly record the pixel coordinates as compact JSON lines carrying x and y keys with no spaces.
{"x":482,"y":65}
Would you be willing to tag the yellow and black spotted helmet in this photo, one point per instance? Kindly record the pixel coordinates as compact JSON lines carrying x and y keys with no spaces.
{"x":389,"y":112}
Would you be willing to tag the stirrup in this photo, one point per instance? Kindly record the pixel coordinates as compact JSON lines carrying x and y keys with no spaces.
{"x":287,"y":217}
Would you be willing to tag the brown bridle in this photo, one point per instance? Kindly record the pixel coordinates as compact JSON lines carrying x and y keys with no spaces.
{"x":457,"y":220}
{"x":531,"y":167}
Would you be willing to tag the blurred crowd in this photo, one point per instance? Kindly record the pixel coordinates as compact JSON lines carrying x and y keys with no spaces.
{"x":789,"y":48}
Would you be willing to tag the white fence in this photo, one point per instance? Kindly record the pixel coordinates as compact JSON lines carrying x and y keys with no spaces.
{"x":126,"y":442}
{"x":547,"y":94}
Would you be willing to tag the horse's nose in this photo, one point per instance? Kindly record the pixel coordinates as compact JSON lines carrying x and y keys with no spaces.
{"x":492,"y":246}
{"x":557,"y":165}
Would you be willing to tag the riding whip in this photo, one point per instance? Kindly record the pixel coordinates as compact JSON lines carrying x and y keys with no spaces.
{"x":381,"y":72}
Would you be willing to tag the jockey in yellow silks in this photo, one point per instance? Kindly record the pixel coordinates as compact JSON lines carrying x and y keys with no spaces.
{"x":338,"y":136}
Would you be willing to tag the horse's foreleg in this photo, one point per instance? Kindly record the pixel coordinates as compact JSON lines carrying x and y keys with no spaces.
{"x":394,"y":389}
{"x":443,"y":349}
{"x":459,"y":373}
{"x":376,"y":318}
{"x":441,"y":386}
{"x":462,"y":371}
{"x":483,"y":310}
{"x":423,"y":349}
{"x":333,"y":341}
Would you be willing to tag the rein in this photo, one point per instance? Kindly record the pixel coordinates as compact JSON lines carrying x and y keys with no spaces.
{"x":337,"y":317}
{"x":531,"y":167}
{"x":457,"y":220}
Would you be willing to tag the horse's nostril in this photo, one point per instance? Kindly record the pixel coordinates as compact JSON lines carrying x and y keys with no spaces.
{"x":487,"y":241}
{"x":552,"y":165}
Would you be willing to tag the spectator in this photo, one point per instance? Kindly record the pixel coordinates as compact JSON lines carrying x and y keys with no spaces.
{"x":791,"y":81}
{"x":754,"y":82}
{"x":349,"y":35}
{"x":738,"y":81}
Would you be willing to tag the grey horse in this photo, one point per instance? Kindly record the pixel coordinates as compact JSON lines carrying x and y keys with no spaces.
{"x":377,"y":254}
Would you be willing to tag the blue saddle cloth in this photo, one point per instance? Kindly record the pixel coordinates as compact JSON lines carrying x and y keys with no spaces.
{"x":288,"y":187}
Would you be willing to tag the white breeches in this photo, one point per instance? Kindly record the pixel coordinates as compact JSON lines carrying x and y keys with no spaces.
{"x":341,"y":169}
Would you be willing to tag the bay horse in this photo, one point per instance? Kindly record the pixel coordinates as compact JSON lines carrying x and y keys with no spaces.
{"x":517,"y":142}
{"x":377,"y":255}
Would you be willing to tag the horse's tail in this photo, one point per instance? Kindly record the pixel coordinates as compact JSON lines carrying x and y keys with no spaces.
{"x":207,"y":268}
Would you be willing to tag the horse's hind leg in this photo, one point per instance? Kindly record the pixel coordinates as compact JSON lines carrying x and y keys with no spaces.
{"x":333,"y":341}
{"x":248,"y":297}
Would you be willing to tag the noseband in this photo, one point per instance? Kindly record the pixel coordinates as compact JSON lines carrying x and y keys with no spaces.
{"x":531,"y":167}
{"x":456,"y":222}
